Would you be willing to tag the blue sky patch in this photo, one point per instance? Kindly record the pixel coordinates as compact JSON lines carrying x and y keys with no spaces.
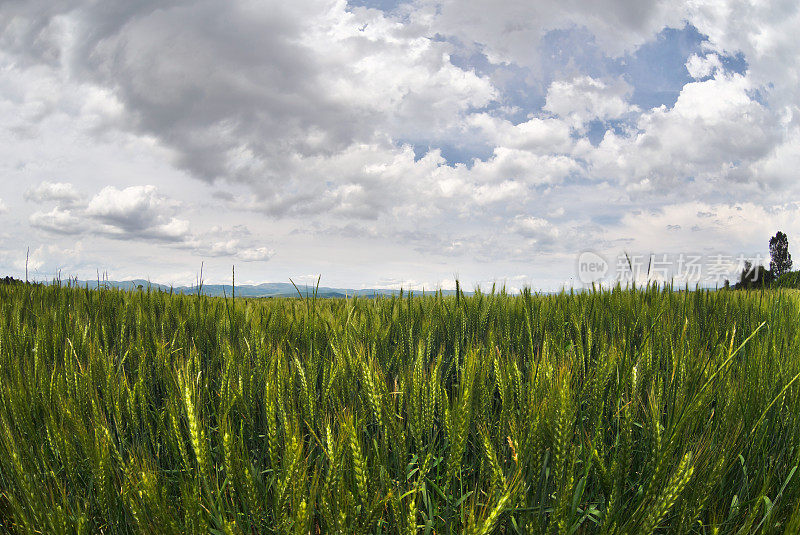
{"x":383,"y":5}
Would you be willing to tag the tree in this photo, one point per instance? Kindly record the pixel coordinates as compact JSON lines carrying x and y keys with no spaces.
{"x":779,"y":253}
{"x":754,"y":276}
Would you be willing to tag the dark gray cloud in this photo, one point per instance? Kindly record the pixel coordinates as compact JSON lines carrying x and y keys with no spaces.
{"x":232,"y":89}
{"x":254,"y":93}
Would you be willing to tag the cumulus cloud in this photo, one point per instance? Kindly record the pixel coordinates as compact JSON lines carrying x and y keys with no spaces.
{"x":584,"y":98}
{"x":715,"y":132}
{"x":255,"y":254}
{"x":257,"y":93}
{"x":234,"y":248}
{"x":542,"y":235}
{"x":538,"y":229}
{"x":528,"y":167}
{"x":542,"y":136}
{"x":702,"y":66}
{"x":765,"y":34}
{"x":309,"y":103}
{"x":510,"y":32}
{"x":3,"y":207}
{"x":58,"y":220}
{"x":137,"y":211}
{"x":61,"y":192}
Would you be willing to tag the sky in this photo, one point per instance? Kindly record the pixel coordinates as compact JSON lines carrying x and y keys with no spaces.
{"x":389,"y":144}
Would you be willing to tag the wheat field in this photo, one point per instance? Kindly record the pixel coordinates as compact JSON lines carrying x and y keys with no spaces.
{"x":616,"y":411}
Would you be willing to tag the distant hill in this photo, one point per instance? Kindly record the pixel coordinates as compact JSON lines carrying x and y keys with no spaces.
{"x":268,"y":289}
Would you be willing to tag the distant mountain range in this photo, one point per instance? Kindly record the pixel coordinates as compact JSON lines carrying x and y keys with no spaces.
{"x":268,"y":289}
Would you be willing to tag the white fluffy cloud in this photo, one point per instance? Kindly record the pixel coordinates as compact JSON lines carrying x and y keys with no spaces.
{"x":137,"y":211}
{"x":525,"y":166}
{"x":765,"y":33}
{"x":584,"y":99}
{"x":702,"y":66}
{"x":712,"y":136}
{"x":255,"y":254}
{"x":61,"y":192}
{"x":209,"y":245}
{"x":542,"y":136}
{"x":57,"y":220}
{"x":536,"y":228}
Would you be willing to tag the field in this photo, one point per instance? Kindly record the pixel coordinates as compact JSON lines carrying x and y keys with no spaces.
{"x":615,"y":412}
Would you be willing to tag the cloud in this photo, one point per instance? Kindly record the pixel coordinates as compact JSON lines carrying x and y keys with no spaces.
{"x":715,"y":132}
{"x":3,"y":207}
{"x":528,"y":167}
{"x":48,"y":261}
{"x":536,"y":228}
{"x":137,"y":212}
{"x":765,"y":34}
{"x":63,"y":193}
{"x":510,"y":32}
{"x":232,"y":248}
{"x":543,"y":236}
{"x":320,"y":119}
{"x":701,"y":67}
{"x":256,"y":94}
{"x":58,"y":221}
{"x":736,"y":228}
{"x":255,"y":254}
{"x":538,"y":135}
{"x":584,"y":98}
